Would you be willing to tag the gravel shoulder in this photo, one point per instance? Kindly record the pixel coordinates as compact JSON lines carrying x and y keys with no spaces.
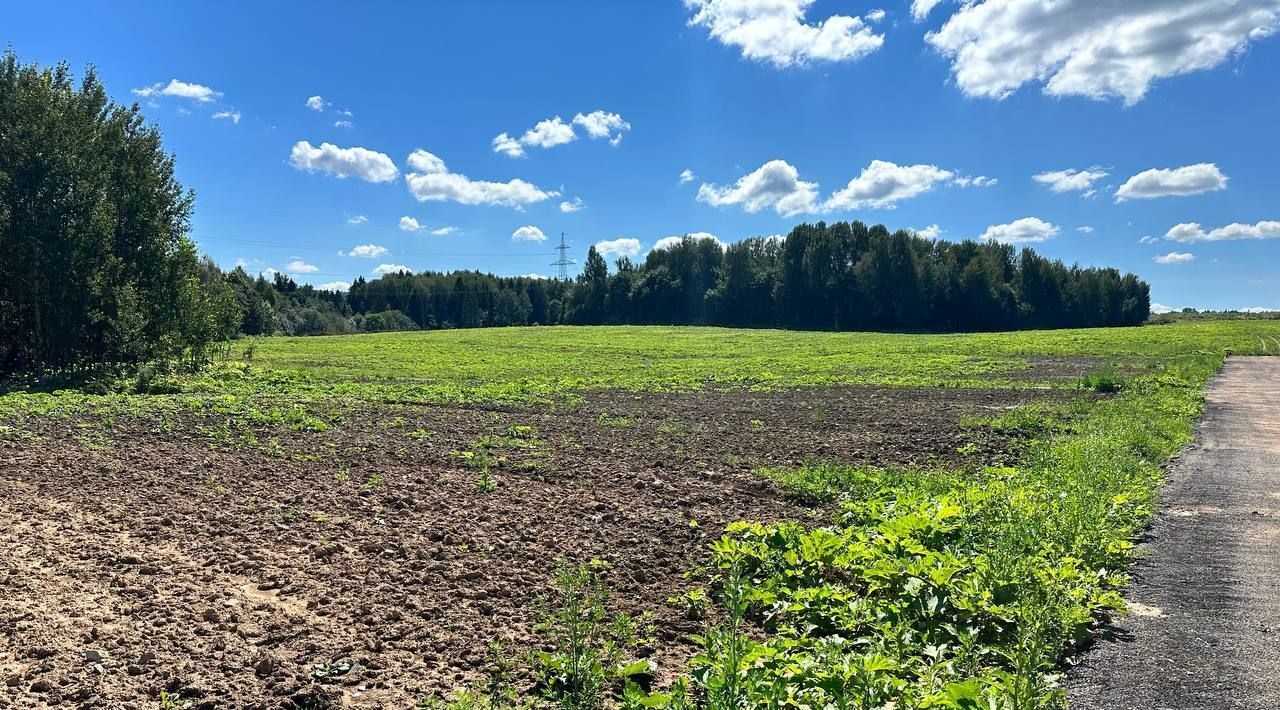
{"x":1204,"y":625}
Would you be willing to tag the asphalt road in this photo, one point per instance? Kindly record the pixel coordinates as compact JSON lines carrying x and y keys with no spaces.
{"x":1204,"y":628}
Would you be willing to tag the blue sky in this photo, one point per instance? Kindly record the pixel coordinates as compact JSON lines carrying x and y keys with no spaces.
{"x":911,"y":113}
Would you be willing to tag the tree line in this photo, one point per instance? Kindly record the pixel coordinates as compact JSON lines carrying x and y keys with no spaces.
{"x":842,"y":276}
{"x":96,"y":268}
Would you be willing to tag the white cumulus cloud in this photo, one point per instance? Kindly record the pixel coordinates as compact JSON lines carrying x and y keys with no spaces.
{"x":1099,"y":49}
{"x":368,"y":165}
{"x":333,"y":286}
{"x":602,"y":124}
{"x":1161,"y":308}
{"x":882,"y":184}
{"x":1192,"y":232}
{"x":316,"y":103}
{"x":574,"y":205}
{"x":920,"y":9}
{"x":777,"y":31}
{"x":977,"y":181}
{"x":933,"y":231}
{"x":555,"y":131}
{"x":357,"y":219}
{"x":1173,"y":182}
{"x":1085,"y":229}
{"x":622,"y":246}
{"x":410,"y":224}
{"x":686,"y":176}
{"x":528,"y":233}
{"x":775,"y":184}
{"x":368,"y":251}
{"x":1175,"y":257}
{"x":180,"y":89}
{"x":384,"y":269}
{"x":430,"y":180}
{"x":1028,"y":230}
{"x":1071,"y":180}
{"x":298,"y":266}
{"x":229,"y":115}
{"x":444,"y":231}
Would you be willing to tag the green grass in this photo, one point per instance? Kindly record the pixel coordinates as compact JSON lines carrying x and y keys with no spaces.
{"x":538,"y":363}
{"x":956,"y":589}
{"x":552,"y":364}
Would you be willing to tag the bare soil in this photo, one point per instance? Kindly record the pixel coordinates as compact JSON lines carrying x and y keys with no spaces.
{"x":144,"y":556}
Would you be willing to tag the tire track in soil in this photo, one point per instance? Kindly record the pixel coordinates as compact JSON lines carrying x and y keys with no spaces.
{"x":1204,"y":623}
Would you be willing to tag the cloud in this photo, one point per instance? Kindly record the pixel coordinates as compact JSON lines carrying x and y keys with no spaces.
{"x":1071,"y":180}
{"x":342,"y":124}
{"x":875,"y":15}
{"x":556,"y":131}
{"x":1172,"y":182}
{"x":933,"y":231}
{"x":231,"y":115}
{"x":1193,"y":232}
{"x":775,"y":31}
{"x":602,"y":124}
{"x":1085,"y":229}
{"x":622,"y":246}
{"x":1028,"y":230}
{"x":298,"y":266}
{"x":549,"y":133}
{"x":505,"y":144}
{"x":409,"y":224}
{"x":317,"y":103}
{"x":920,"y":9}
{"x":358,"y":219}
{"x":1090,"y":48}
{"x":1175,"y":257}
{"x":1161,"y":308}
{"x":668,"y":242}
{"x":978,"y":181}
{"x":686,"y":176}
{"x":333,"y":286}
{"x":883,"y":184}
{"x":775,"y":184}
{"x":384,"y":269}
{"x":528,"y":233}
{"x":1148,"y":240}
{"x":368,"y":251}
{"x":443,"y":231}
{"x":430,"y":180}
{"x":574,"y":205}
{"x":368,"y":165}
{"x":180,"y":89}
{"x":1258,"y":309}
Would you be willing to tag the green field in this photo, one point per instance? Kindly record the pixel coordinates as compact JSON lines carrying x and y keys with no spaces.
{"x":924,"y":587}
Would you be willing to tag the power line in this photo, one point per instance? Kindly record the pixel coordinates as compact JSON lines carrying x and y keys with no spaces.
{"x":564,"y":261}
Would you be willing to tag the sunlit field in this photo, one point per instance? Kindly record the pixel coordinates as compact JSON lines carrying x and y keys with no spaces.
{"x":646,"y":516}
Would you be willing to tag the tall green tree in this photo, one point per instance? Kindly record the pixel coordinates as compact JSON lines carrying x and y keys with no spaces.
{"x":95,"y":268}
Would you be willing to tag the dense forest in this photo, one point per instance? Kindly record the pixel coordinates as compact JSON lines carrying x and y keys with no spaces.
{"x":96,"y":268}
{"x":843,"y":276}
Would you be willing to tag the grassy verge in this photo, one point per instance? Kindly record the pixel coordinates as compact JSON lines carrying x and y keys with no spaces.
{"x":948,"y":589}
